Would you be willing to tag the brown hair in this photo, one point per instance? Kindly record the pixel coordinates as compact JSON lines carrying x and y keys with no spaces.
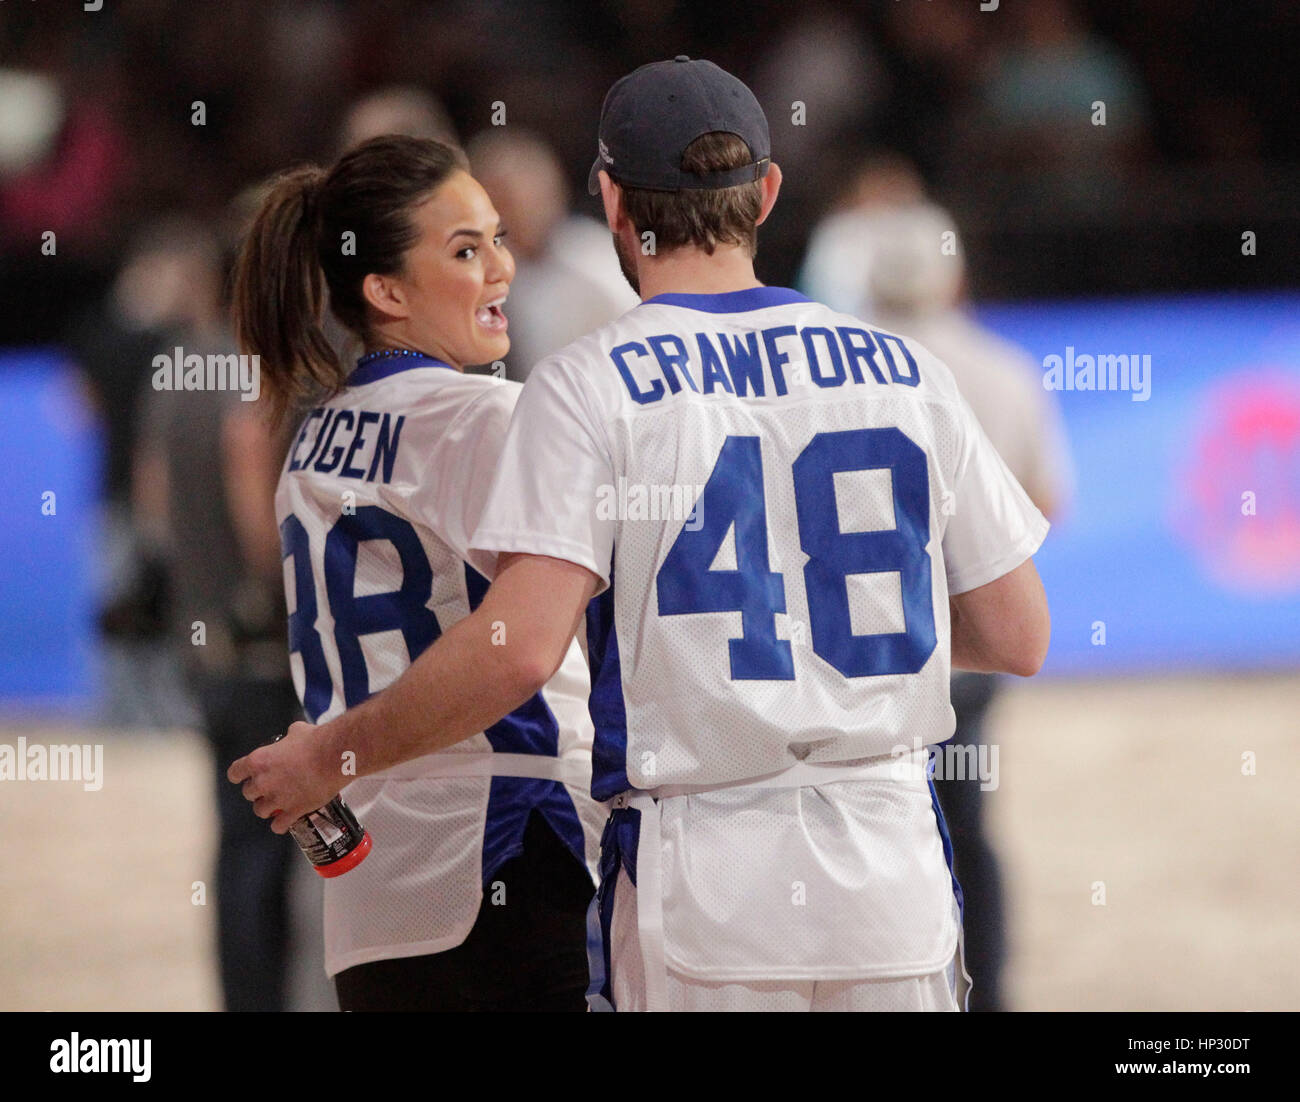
{"x":317,"y":231}
{"x":703,"y":217}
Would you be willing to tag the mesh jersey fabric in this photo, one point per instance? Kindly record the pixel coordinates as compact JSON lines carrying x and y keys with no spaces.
{"x":928,"y":993}
{"x":380,"y":491}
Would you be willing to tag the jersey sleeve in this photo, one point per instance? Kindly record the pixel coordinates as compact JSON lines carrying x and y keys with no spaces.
{"x":456,"y":469}
{"x":994,"y":526}
{"x":543,"y":499}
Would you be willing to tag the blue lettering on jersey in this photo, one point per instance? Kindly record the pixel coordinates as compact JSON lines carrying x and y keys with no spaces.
{"x":386,"y":447}
{"x":670,"y":361}
{"x":858,"y":345}
{"x":404,"y":609}
{"x":712,"y":362}
{"x":303,"y":638}
{"x":744,"y":363}
{"x":832,"y":353}
{"x":322,"y":464}
{"x":734,"y":500}
{"x":776,"y":357}
{"x":366,"y":417}
{"x":884,"y":339}
{"x":529,"y":729}
{"x":655,"y":392}
{"x":320,"y":437}
{"x":294,"y":462}
{"x":835,"y":357}
{"x":342,"y":458}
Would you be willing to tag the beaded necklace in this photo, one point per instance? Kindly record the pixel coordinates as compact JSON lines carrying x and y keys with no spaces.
{"x":386,"y":353}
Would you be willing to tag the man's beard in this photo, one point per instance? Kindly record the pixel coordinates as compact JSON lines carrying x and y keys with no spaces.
{"x":627,"y":264}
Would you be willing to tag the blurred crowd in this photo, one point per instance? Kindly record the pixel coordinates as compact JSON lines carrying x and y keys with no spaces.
{"x":109,"y":118}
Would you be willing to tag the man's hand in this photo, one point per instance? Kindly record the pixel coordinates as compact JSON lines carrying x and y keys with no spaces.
{"x":286,"y":779}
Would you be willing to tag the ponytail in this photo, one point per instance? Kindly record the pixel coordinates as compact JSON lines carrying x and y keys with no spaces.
{"x":279,"y":293}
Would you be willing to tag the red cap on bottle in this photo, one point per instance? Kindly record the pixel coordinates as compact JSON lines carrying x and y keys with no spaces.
{"x":351,"y":861}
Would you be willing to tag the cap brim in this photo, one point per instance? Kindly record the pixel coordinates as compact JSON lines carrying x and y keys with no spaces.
{"x":593,"y":177}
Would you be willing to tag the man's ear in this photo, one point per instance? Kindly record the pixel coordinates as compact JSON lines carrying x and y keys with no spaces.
{"x":771,"y":187}
{"x":611,"y":195}
{"x":386,"y":295}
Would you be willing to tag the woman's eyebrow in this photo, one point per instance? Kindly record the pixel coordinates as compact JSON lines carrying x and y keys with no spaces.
{"x":465,"y":233}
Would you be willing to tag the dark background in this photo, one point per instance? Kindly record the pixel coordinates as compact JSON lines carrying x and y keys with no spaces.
{"x":1199,"y":145}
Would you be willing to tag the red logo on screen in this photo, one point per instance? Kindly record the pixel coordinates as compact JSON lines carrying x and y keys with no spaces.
{"x":1240,"y":491}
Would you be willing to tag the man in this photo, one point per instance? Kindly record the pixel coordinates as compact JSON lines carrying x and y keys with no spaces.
{"x":772,"y":503}
{"x":203,"y":482}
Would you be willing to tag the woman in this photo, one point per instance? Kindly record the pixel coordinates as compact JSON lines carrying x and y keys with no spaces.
{"x":482,"y":854}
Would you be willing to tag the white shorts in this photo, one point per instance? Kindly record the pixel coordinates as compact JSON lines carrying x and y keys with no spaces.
{"x":934,"y":992}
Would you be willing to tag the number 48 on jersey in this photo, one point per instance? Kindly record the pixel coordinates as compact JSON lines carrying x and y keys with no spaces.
{"x":733,"y":495}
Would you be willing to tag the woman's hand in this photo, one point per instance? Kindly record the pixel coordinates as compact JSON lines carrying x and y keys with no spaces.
{"x":286,"y":779}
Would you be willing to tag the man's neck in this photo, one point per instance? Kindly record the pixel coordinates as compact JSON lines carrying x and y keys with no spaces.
{"x":692,"y":271}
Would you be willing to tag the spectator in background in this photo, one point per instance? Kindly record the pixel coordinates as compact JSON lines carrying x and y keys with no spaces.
{"x":1037,"y":116}
{"x":204,"y":478}
{"x":567,"y":281}
{"x":396,"y":110}
{"x":916,"y":281}
{"x":168,"y":286}
{"x":62,"y":160}
{"x":917,"y":285}
{"x":837,"y":266}
{"x":65,"y":170}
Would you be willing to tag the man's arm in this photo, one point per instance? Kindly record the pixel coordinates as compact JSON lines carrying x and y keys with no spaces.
{"x":483,"y":668}
{"x":1002,"y":627}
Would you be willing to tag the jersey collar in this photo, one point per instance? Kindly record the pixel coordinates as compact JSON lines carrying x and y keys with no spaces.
{"x":372,"y":368}
{"x":730,"y":302}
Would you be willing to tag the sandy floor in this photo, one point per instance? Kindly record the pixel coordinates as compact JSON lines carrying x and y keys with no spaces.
{"x":1137,"y":785}
{"x":1140,"y":785}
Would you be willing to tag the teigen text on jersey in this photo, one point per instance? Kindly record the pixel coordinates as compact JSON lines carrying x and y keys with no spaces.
{"x":180,"y":370}
{"x":87,"y":1054}
{"x":376,"y":454}
{"x":1101,"y":372}
{"x":37,"y":762}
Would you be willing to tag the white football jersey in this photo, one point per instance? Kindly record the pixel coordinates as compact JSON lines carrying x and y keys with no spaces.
{"x":381,"y":490}
{"x":779,"y":499}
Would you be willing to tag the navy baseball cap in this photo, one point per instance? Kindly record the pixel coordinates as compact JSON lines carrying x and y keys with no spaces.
{"x":651,"y":115}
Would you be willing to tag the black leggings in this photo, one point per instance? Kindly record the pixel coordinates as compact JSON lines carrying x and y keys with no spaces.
{"x":528,"y":954}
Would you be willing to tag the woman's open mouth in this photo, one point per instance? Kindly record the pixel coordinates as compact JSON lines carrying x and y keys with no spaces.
{"x":491,"y":317}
